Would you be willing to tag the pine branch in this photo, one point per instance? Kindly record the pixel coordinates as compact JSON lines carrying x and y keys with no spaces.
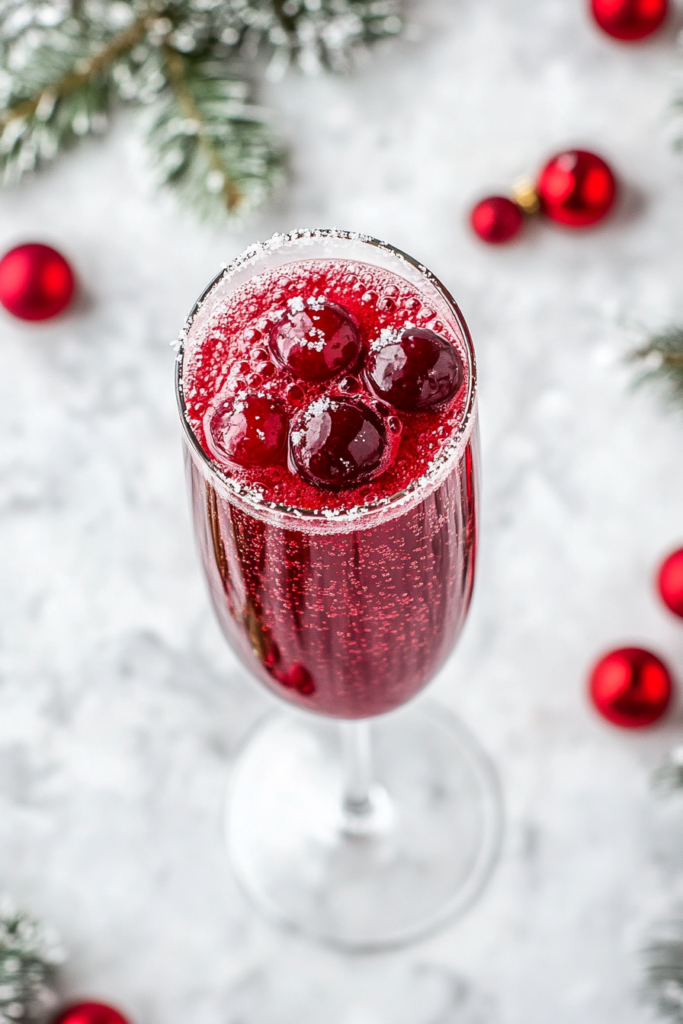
{"x":664,"y":974}
{"x":669,"y":776}
{"x":662,"y":362}
{"x":209,"y":142}
{"x":64,"y":63}
{"x":28,"y":955}
{"x":72,"y":81}
{"x":63,"y":90}
{"x":312,"y":36}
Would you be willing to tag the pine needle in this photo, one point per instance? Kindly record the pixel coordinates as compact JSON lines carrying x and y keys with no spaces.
{"x":28,"y":955}
{"x":209,"y":142}
{"x":661,"y":361}
{"x":669,"y":776}
{"x":664,"y":974}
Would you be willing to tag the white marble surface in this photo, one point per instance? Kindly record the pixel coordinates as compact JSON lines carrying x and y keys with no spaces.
{"x":120,"y":707}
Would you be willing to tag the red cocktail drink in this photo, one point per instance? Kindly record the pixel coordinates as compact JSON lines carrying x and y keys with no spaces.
{"x":345,"y":600}
{"x":327,"y":388}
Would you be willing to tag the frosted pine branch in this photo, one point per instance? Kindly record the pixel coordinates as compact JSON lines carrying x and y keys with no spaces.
{"x":661,"y":362}
{"x":28,"y":955}
{"x":669,"y":776}
{"x":209,"y":142}
{"x":65,"y":64}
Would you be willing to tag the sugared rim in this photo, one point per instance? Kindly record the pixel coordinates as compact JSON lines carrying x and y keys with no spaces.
{"x":360,"y":516}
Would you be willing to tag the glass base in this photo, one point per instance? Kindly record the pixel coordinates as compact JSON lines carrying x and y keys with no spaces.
{"x":416,"y":857}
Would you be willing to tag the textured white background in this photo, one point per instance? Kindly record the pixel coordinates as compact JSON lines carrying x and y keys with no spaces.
{"x":120,"y":707}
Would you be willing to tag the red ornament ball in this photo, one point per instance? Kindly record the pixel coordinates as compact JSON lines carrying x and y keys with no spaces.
{"x":496,"y":219}
{"x":629,"y":20}
{"x":630,"y":687}
{"x":89,"y":1013}
{"x":576,"y":188}
{"x":36,"y":282}
{"x":670,"y":582}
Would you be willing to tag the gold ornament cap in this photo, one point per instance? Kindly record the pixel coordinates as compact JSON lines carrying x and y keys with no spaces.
{"x":524,"y":194}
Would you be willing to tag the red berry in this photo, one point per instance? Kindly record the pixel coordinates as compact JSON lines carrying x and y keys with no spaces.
{"x":315,"y":340}
{"x":496,"y":219}
{"x":89,"y":1013}
{"x":670,"y":582}
{"x":297,"y":678}
{"x":629,"y":20}
{"x":36,"y":282}
{"x":420,"y":370}
{"x":576,"y":188}
{"x":248,"y":429}
{"x":630,"y":687}
{"x":341,"y":443}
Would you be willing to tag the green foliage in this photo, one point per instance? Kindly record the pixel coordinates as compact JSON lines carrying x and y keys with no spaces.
{"x":28,"y":955}
{"x":661,"y":362}
{"x":664,"y":974}
{"x":208,"y":141}
{"x":669,"y":776}
{"x":67,"y":63}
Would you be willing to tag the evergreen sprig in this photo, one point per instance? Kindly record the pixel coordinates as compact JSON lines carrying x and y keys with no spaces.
{"x":664,"y":974}
{"x":669,"y":776}
{"x":661,"y":362}
{"x":67,"y":64}
{"x":28,"y":956}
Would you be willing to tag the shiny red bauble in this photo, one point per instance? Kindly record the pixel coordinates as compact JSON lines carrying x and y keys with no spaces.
{"x":89,"y":1013}
{"x":630,"y":687}
{"x":670,"y":582}
{"x":576,"y":188}
{"x":629,"y":20}
{"x":36,"y":282}
{"x":496,"y":219}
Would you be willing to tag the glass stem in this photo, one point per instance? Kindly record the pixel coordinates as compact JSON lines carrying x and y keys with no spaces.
{"x":357,"y":755}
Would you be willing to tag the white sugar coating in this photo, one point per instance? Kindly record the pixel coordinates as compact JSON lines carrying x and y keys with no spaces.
{"x":387,"y":336}
{"x":296,"y":304}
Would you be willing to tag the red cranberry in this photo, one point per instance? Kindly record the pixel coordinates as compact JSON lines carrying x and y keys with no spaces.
{"x":297,"y":678}
{"x":248,"y":429}
{"x":315,"y":340}
{"x":341,"y":443}
{"x":420,"y":370}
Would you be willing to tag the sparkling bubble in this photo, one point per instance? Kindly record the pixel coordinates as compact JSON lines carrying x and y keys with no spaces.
{"x":349,"y":385}
{"x":294,"y":394}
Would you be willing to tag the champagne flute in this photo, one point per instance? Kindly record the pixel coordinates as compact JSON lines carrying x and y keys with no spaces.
{"x":350,"y":817}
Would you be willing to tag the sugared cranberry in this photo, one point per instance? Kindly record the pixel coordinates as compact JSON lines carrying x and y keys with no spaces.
{"x":341,"y":443}
{"x":315,"y":340}
{"x":248,"y":429}
{"x":420,"y":370}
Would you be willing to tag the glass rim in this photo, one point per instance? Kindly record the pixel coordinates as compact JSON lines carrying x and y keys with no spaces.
{"x":331,"y":520}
